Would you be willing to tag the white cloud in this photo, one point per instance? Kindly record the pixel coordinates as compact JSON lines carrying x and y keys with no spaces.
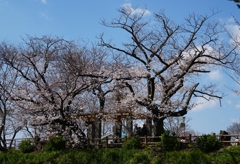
{"x":208,"y":50}
{"x":238,"y":106}
{"x":235,"y":120}
{"x":44,"y":1}
{"x":234,"y":30}
{"x":215,"y":75}
{"x":204,"y":104}
{"x":45,"y":16}
{"x":128,"y":7}
{"x":229,"y":102}
{"x":230,"y":20}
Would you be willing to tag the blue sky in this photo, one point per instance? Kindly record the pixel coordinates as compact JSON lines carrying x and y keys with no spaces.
{"x":78,"y":19}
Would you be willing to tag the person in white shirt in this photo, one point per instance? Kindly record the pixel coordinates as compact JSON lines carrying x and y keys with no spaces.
{"x":236,"y":141}
{"x":183,"y":140}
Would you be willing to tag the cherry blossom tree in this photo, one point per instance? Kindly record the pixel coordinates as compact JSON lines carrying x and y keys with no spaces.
{"x":234,"y":128}
{"x":167,"y":61}
{"x":46,"y":90}
{"x":8,"y":115}
{"x":99,"y":69}
{"x":234,"y":73}
{"x":180,"y":126}
{"x":58,"y":80}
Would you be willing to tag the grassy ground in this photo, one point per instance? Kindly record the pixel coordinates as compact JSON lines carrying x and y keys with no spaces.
{"x":122,"y":156}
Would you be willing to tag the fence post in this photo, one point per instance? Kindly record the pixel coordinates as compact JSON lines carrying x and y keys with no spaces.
{"x":15,"y":142}
{"x":190,"y":138}
{"x":88,"y":143}
{"x":97,"y":142}
{"x":145,"y":140}
{"x":238,"y":139}
{"x":219,"y":138}
{"x":107,"y":142}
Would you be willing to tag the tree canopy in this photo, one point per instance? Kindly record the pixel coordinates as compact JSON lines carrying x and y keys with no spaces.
{"x":234,"y":128}
{"x":167,"y":59}
{"x":48,"y":82}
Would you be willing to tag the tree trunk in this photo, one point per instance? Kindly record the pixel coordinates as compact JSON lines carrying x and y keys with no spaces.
{"x":149,"y":126}
{"x":158,"y":128}
{"x":118,"y":128}
{"x":97,"y":126}
{"x":129,"y":126}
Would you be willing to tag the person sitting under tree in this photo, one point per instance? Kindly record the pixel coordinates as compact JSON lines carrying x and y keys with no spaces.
{"x":137,"y":130}
{"x":144,"y":130}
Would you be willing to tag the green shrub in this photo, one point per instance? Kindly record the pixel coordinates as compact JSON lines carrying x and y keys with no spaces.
{"x":72,"y":157}
{"x":169,"y":142}
{"x":55,"y":143}
{"x":45,"y":157}
{"x":208,"y":143}
{"x":139,"y":158}
{"x":26,"y":146}
{"x":11,"y":156}
{"x":228,"y":155}
{"x":186,"y":157}
{"x":132,"y":143}
{"x":126,"y":155}
{"x":111,"y":156}
{"x":195,"y":156}
{"x":119,"y":155}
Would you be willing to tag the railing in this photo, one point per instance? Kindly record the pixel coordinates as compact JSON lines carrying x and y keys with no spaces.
{"x":15,"y":142}
{"x":149,"y":140}
{"x":229,"y":135}
{"x":108,"y":142}
{"x":153,"y":140}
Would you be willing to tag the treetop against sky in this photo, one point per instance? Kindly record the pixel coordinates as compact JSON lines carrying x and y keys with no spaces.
{"x":81,"y":20}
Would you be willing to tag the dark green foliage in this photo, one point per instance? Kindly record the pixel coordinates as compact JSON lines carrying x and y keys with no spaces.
{"x":230,"y":155}
{"x":207,"y":143}
{"x":44,"y":157}
{"x":169,"y":142}
{"x":111,"y":156}
{"x":126,"y":155}
{"x":11,"y":156}
{"x":75,"y":157}
{"x":132,"y":143}
{"x":119,"y":155}
{"x":139,"y":158}
{"x":143,"y":156}
{"x":55,"y":143}
{"x":26,"y":146}
{"x":194,"y":156}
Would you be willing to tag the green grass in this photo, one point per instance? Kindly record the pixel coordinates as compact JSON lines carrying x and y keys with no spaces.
{"x":121,"y":156}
